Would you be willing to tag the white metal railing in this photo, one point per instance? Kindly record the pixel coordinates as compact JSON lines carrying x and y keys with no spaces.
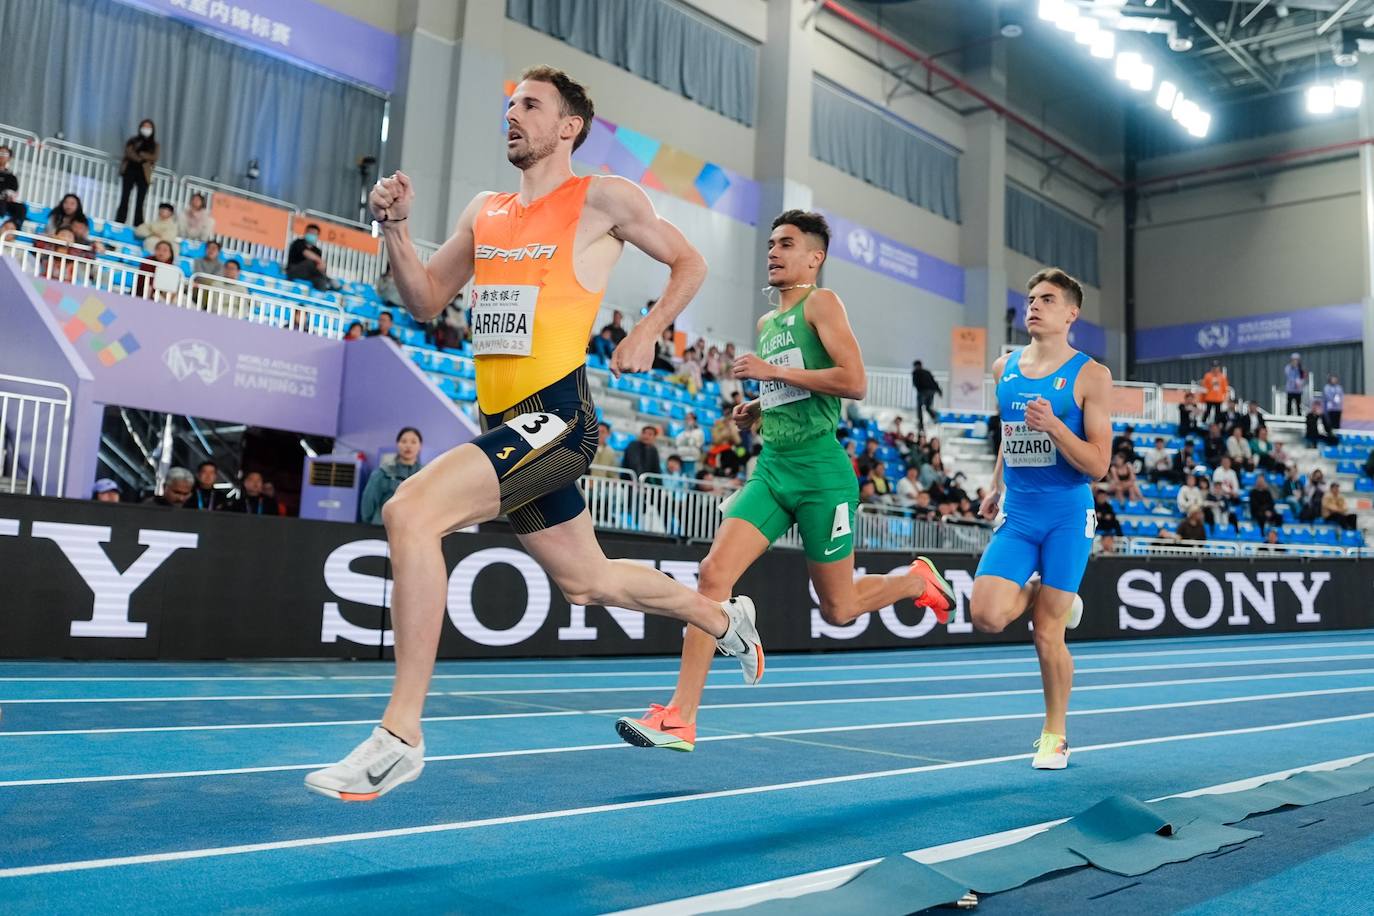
{"x":1169,"y":547}
{"x":189,"y":185}
{"x":33,"y":413}
{"x":1151,"y":402}
{"x":612,"y":498}
{"x":53,"y":259}
{"x":237,"y":299}
{"x":348,"y":263}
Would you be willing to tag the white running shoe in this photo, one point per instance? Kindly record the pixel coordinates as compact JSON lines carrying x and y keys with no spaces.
{"x":374,"y":768}
{"x":1076,"y":612}
{"x":741,"y":640}
{"x":1051,"y":752}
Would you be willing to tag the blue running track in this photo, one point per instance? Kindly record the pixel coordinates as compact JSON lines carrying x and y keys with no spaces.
{"x":177,"y":787}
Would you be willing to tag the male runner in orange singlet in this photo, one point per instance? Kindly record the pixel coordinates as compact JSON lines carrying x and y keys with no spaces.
{"x":539,"y":261}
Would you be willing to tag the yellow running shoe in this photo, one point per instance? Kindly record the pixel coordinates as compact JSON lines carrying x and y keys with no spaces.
{"x":1052,"y":752}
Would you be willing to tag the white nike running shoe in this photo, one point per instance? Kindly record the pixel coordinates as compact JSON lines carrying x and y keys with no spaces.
{"x":372,"y":769}
{"x":741,"y":640}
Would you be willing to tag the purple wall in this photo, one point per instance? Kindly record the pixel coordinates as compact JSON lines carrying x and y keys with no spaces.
{"x":384,"y":391}
{"x":33,"y":346}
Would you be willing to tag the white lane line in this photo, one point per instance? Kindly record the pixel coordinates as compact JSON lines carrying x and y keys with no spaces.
{"x":218,"y":851}
{"x":849,"y":682}
{"x":723,"y":669}
{"x":783,"y":733}
{"x":619,"y":710}
{"x":829,"y":878}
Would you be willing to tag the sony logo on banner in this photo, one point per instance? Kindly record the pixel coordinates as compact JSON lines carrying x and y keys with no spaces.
{"x":959,"y":580}
{"x":83,"y":546}
{"x":375,"y":591}
{"x":1143,"y":590}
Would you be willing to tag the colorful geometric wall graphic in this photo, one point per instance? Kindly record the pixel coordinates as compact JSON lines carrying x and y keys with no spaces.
{"x":618,"y":150}
{"x":86,"y":323}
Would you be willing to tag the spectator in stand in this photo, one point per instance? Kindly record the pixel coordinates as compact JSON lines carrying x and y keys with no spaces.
{"x":8,"y":225}
{"x":1272,"y":536}
{"x":176,"y":490}
{"x":602,"y":345}
{"x":105,"y":491}
{"x":1188,"y":415}
{"x":1262,"y":505}
{"x":689,"y":372}
{"x":387,"y":290}
{"x":1183,"y":463}
{"x":355,"y":330}
{"x":690,"y":443}
{"x":1189,"y":496}
{"x":933,"y":474}
{"x":965,"y":514}
{"x":1193,"y":528}
{"x":162,"y":229}
{"x":641,"y":455}
{"x":251,"y":500}
{"x":606,"y":456}
{"x":1107,"y":522}
{"x":1369,"y":464}
{"x":1294,"y":384}
{"x":59,"y":265}
{"x":1312,"y":493}
{"x":1215,"y":388}
{"x":1105,"y":545}
{"x":384,"y":328}
{"x":1123,"y":443}
{"x":881,"y":485}
{"x":851,"y":450}
{"x":1239,"y":451}
{"x":995,"y":434}
{"x":1317,"y":428}
{"x":926,"y":390}
{"x":195,"y":221}
{"x":269,"y":489}
{"x":1225,"y":483}
{"x":1231,"y":414}
{"x":1122,"y":479}
{"x":922,"y":510}
{"x":395,"y":469}
{"x":1335,"y":510}
{"x":616,"y":327}
{"x":909,"y":486}
{"x":730,"y":393}
{"x":1263,"y":450}
{"x":713,"y":366}
{"x":1252,"y":421}
{"x":1290,"y":490}
{"x":209,"y":262}
{"x":66,"y":215}
{"x":1333,"y":403}
{"x":869,"y":458}
{"x":145,"y":282}
{"x":206,"y":497}
{"x":136,"y":171}
{"x":1279,"y":456}
{"x":1214,"y":446}
{"x":1158,"y":465}
{"x":665,"y":351}
{"x":9,"y":182}
{"x":868,"y":495}
{"x":674,"y":474}
{"x":305,"y":261}
{"x":11,"y":206}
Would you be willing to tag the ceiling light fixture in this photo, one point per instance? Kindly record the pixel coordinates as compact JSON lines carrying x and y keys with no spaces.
{"x":1143,"y":79}
{"x":1321,"y":99}
{"x":1349,"y":93}
{"x":1168,"y":92}
{"x":1104,"y":45}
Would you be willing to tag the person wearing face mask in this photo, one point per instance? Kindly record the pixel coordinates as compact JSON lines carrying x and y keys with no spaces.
{"x":305,"y":261}
{"x":136,"y":170}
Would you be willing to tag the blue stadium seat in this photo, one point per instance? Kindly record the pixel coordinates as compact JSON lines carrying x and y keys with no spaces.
{"x":620,"y":441}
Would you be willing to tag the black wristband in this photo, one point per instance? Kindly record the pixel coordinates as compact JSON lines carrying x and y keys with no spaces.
{"x":401,"y":220}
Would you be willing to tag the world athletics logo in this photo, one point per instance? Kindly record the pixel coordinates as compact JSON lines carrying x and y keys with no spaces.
{"x":186,"y":358}
{"x":861,"y":245}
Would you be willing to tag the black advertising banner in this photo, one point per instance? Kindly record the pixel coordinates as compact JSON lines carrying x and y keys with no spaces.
{"x":93,"y":580}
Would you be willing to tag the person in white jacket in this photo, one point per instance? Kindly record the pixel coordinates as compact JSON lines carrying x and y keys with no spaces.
{"x":689,"y":444}
{"x":1189,"y":496}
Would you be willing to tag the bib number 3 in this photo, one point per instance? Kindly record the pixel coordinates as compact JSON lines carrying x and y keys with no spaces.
{"x":538,"y":429}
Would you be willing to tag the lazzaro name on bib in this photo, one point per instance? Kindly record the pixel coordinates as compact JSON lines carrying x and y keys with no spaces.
{"x":1023,"y":447}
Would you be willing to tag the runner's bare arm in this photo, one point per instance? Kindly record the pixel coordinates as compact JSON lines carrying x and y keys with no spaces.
{"x":634,"y":220}
{"x":847,"y":379}
{"x":993,"y":499}
{"x":1093,"y":454}
{"x":425,"y":289}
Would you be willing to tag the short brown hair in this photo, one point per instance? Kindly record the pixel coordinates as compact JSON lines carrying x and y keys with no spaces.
{"x":572,"y":94}
{"x":1057,"y":277}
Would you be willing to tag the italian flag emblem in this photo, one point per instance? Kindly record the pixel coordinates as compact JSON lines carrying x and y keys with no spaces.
{"x":1059,"y":384}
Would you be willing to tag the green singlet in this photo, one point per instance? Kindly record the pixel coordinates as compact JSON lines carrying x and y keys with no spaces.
{"x":803,"y":475}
